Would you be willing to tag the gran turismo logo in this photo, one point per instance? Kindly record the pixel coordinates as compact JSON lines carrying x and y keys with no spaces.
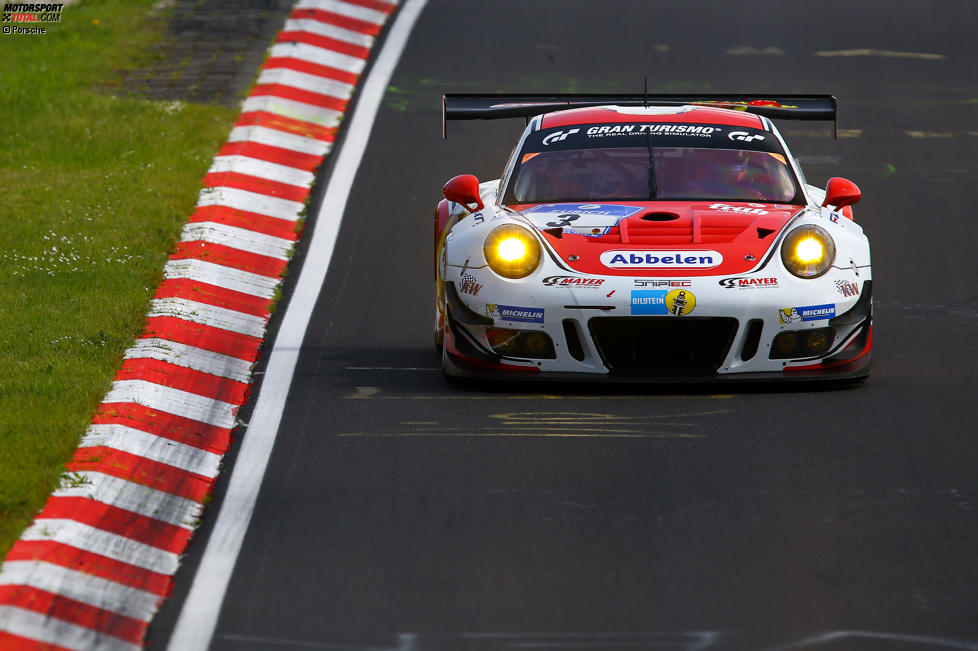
{"x":743,"y":136}
{"x":557,"y":136}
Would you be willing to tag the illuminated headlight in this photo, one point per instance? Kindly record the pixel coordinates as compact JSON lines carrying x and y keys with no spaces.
{"x":808,"y":251}
{"x":512,"y":251}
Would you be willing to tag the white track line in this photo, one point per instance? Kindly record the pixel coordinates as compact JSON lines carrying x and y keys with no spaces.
{"x":198,"y":618}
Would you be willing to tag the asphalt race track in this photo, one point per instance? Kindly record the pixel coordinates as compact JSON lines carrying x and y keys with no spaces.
{"x":400,"y":511}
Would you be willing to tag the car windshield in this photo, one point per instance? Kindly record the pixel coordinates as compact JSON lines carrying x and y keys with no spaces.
{"x":589,"y":173}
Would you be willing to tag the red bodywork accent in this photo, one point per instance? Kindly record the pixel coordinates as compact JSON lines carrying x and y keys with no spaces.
{"x":842,"y":362}
{"x":600,"y":115}
{"x":696,"y":227}
{"x":452,"y":350}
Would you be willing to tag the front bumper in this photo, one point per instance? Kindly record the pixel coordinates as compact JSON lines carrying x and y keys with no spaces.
{"x":732,"y":338}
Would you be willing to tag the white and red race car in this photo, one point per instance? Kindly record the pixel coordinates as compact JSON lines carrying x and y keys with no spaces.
{"x":651,"y":238}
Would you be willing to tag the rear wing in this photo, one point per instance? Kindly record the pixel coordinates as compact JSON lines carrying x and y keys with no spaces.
{"x":463,"y":106}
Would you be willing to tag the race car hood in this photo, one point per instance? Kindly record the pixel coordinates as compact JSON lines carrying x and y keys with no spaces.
{"x":674,"y":238}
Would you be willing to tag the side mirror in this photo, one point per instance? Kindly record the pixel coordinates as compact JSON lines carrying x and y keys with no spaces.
{"x":841,"y":192}
{"x":464,"y":189}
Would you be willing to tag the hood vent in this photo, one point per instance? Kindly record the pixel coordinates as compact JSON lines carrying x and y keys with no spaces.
{"x":660,"y":217}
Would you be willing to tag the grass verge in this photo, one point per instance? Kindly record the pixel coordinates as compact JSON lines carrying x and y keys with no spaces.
{"x":94,"y":188}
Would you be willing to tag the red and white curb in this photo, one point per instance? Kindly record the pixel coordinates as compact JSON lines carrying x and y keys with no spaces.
{"x":98,"y":561}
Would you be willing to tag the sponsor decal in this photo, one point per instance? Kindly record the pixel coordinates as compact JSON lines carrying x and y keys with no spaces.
{"x":563,"y":220}
{"x":661,"y":259}
{"x":656,"y":282}
{"x":469,"y":285}
{"x":680,"y":302}
{"x":514,"y":313}
{"x":631,"y":129}
{"x":587,"y":209}
{"x":834,"y":218}
{"x":806,"y":313}
{"x":743,"y":136}
{"x":847,"y":288}
{"x":750,"y":209}
{"x":649,"y":301}
{"x":748,"y":283}
{"x":572,"y":281}
{"x":557,"y":136}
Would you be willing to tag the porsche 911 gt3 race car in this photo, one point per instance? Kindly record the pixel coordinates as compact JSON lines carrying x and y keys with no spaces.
{"x":651,"y":238}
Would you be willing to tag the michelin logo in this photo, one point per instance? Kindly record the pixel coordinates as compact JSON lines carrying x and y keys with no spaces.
{"x":806,"y":313}
{"x":514,"y":313}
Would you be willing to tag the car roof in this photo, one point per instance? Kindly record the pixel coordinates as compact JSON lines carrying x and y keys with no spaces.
{"x":654,"y":114}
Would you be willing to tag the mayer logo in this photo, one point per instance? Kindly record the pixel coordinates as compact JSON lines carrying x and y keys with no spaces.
{"x":743,"y":136}
{"x":514,"y":313}
{"x":661,"y":259}
{"x":649,"y":301}
{"x":572,"y":281}
{"x":748,"y":283}
{"x":557,"y":136}
{"x":806,"y":313}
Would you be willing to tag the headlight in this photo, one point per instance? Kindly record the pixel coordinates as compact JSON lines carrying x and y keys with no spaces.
{"x":808,"y":251}
{"x":512,"y":251}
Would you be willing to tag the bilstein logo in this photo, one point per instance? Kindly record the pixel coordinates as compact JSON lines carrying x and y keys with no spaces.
{"x":557,"y":136}
{"x":661,"y":259}
{"x":743,"y":136}
{"x":28,"y":12}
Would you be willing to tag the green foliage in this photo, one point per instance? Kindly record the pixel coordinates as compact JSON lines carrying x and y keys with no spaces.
{"x":96,"y":185}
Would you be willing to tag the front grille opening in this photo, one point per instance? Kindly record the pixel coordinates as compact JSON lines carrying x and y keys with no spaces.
{"x":752,"y":340}
{"x":663,"y":346}
{"x":574,"y":346}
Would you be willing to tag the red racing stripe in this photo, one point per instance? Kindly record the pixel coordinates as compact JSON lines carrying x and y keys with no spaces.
{"x":203,"y":336}
{"x":251,"y":221}
{"x":183,"y":378}
{"x":272,"y":154}
{"x":310,"y":68}
{"x":11,"y":642}
{"x":194,"y":290}
{"x":142,"y":471}
{"x":81,"y":614}
{"x":169,"y":426}
{"x":106,"y":517}
{"x":376,"y":5}
{"x":325,"y":42}
{"x":290,"y":125}
{"x":337,"y":20}
{"x":57,"y":553}
{"x":255,"y":184}
{"x":300,"y":95}
{"x":229,"y":256}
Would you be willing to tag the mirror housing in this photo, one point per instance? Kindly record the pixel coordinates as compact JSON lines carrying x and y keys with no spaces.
{"x":464,"y":189}
{"x":841,"y":192}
